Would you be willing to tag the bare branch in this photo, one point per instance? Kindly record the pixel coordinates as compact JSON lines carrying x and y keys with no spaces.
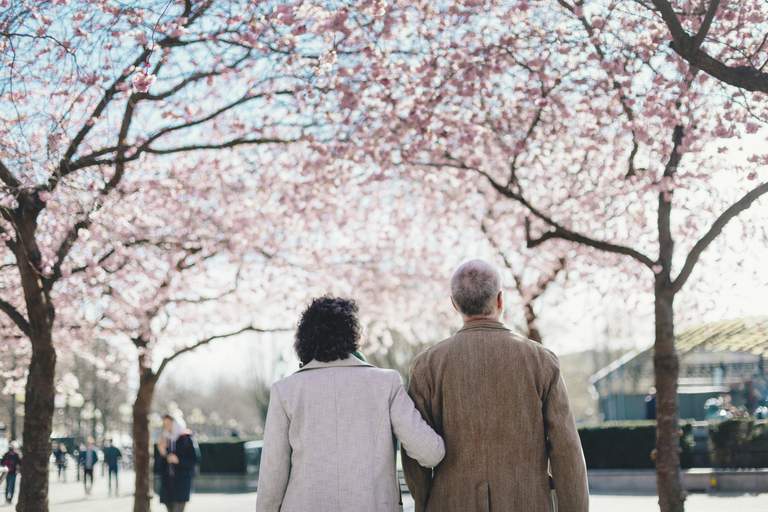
{"x":205,"y":341}
{"x":700,"y":246}
{"x":559,"y":232}
{"x":689,"y":48}
{"x":706,"y":24}
{"x":74,"y":232}
{"x":240,"y":141}
{"x":16,"y":316}
{"x":106,"y":99}
{"x":7,"y":176}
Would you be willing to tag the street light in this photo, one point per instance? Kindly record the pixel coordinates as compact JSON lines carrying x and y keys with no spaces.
{"x":76,"y":402}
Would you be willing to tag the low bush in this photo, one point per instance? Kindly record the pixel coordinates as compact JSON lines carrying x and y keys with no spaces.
{"x":223,"y":456}
{"x":628,"y":445}
{"x":739,"y":443}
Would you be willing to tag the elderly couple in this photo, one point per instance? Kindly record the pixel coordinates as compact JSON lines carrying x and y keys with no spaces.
{"x":485,"y":424}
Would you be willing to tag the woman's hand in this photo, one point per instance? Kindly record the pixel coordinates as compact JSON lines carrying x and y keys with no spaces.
{"x":172,"y":458}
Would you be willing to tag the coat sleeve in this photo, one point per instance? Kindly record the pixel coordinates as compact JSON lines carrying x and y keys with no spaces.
{"x":569,"y":471}
{"x":419,"y":441}
{"x":418,"y":478}
{"x":275,"y":466}
{"x":187,"y":454}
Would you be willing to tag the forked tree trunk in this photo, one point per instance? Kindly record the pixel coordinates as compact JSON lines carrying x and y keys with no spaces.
{"x":666,"y":370}
{"x":39,"y":389}
{"x":141,"y":443}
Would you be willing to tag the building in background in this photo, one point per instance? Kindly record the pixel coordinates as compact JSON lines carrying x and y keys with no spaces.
{"x":723,"y":360}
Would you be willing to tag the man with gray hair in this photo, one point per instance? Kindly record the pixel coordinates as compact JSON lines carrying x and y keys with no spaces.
{"x":499,"y":402}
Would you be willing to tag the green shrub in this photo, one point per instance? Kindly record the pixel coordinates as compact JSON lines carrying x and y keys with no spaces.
{"x":223,"y":456}
{"x":628,"y":445}
{"x":739,"y":443}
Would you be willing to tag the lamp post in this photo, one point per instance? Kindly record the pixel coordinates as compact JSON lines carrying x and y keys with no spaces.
{"x":125,"y":411}
{"x":76,"y":402}
{"x":196,"y":420}
{"x":215,"y":420}
{"x":86,"y":414}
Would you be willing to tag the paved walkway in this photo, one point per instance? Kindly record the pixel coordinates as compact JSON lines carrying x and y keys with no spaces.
{"x":70,"y":497}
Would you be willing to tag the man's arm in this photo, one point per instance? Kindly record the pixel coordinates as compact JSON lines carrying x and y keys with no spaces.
{"x":418,"y":478}
{"x":565,"y":455}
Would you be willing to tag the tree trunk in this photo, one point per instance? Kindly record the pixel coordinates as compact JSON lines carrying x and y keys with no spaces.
{"x":38,"y":415}
{"x":141,"y":442}
{"x":12,"y":412}
{"x":666,"y":369}
{"x":531,"y":322}
{"x":39,"y":390}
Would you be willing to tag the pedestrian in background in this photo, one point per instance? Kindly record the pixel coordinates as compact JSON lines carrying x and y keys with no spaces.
{"x":12,"y":462}
{"x":112,"y":456}
{"x":60,"y":458}
{"x":88,"y":459}
{"x":176,"y":463}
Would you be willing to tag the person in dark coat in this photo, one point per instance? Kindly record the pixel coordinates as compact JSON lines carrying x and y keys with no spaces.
{"x":112,"y":456}
{"x":650,"y":404}
{"x":88,"y":459}
{"x":12,"y":462}
{"x":177,"y":457}
{"x":60,"y":457}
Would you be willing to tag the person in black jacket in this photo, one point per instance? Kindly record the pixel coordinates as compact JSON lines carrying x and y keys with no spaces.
{"x":112,"y":457}
{"x":12,"y":461}
{"x":60,"y":457}
{"x":88,"y":459}
{"x":177,"y":457}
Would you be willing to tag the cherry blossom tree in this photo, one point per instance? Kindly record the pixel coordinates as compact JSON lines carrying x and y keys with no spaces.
{"x":723,"y":39}
{"x":94,"y":96}
{"x":180,"y":280}
{"x":594,"y":134}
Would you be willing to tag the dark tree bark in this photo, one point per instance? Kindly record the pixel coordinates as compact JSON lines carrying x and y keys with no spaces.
{"x":688,"y":47}
{"x":666,"y":369}
{"x":142,"y":406}
{"x":39,"y":389}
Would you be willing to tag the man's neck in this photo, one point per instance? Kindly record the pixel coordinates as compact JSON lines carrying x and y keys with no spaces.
{"x":491,"y":318}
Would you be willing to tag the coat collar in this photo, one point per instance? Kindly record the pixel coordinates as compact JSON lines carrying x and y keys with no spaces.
{"x":483,"y":323}
{"x":349,"y":361}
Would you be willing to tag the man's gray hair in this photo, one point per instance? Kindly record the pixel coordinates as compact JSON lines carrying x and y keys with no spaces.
{"x":474,"y":287}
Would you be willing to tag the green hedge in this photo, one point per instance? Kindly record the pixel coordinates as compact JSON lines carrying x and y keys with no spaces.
{"x":739,"y":443}
{"x":628,"y":445}
{"x":223,"y":456}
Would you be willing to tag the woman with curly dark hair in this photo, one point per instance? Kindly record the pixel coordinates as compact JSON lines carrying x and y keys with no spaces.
{"x":329,"y":439}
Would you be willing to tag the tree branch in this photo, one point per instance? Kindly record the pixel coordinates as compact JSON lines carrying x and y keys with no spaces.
{"x":205,"y":341}
{"x":706,"y":24}
{"x":558,"y":231}
{"x":689,"y":48}
{"x":240,"y":141}
{"x":700,"y":246}
{"x":7,"y":176}
{"x":16,"y":316}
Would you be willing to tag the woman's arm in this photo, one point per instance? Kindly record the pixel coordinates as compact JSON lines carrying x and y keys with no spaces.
{"x":275,"y":467}
{"x":419,"y":441}
{"x":186,"y":453}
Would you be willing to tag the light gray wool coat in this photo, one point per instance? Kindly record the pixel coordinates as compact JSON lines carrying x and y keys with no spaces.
{"x":329,"y":440}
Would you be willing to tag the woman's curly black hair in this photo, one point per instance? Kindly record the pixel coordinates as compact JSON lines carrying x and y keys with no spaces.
{"x":328,"y":330}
